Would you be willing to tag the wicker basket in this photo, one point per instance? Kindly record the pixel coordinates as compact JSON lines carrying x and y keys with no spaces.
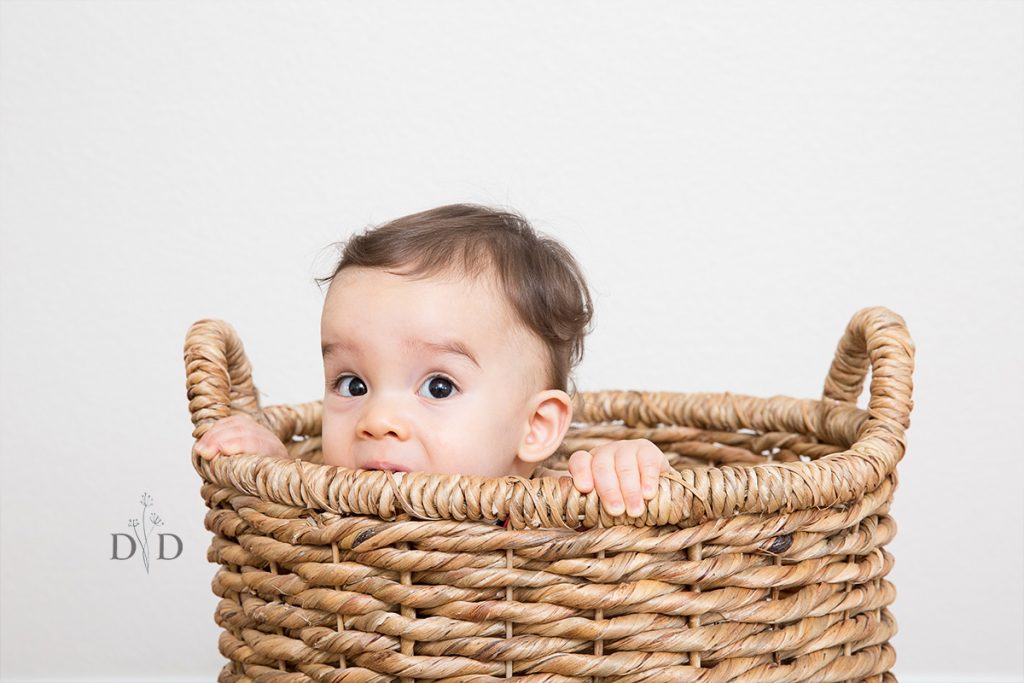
{"x":761,"y":558}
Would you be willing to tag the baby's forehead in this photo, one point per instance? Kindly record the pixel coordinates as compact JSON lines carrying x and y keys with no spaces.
{"x":488,"y":312}
{"x":478,"y":298}
{"x":471,"y":289}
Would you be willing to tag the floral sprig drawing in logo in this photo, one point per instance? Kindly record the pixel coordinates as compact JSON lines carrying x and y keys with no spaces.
{"x":139,"y":539}
{"x":154,"y":519}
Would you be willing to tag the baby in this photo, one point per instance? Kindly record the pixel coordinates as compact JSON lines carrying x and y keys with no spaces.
{"x":448,"y":338}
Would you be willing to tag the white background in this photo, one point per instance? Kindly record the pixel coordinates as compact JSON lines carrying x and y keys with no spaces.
{"x":737,"y":180}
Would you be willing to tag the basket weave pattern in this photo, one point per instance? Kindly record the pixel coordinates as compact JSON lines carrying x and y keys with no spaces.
{"x":760,"y":559}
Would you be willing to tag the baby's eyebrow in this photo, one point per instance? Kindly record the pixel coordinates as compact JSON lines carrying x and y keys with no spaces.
{"x":334,"y":347}
{"x":450,"y":346}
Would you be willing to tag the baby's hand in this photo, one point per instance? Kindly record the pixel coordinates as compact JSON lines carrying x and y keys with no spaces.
{"x":239,"y":434}
{"x":625,"y":474}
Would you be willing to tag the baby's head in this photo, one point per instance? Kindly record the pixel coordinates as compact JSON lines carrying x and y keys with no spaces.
{"x":449,"y":337}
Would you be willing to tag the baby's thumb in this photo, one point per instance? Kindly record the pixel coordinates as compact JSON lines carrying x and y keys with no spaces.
{"x":209,"y":445}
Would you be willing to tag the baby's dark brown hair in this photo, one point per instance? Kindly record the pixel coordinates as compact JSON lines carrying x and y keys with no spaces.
{"x":540,"y":278}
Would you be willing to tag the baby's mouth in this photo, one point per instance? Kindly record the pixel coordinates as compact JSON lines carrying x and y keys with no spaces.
{"x":385,"y":465}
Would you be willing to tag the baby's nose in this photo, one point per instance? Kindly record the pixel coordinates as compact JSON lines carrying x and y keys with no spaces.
{"x":382,"y":419}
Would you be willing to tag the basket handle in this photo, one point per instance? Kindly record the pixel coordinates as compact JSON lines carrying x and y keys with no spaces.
{"x":218,"y":376}
{"x":878,"y":338}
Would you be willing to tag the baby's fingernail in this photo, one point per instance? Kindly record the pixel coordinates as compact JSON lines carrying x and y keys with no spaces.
{"x":616,"y":508}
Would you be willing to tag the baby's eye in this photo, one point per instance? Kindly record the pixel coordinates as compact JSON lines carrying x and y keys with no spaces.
{"x":439,"y":386}
{"x":355,"y":387}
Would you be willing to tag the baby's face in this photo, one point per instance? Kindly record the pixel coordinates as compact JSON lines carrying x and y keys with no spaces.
{"x":430,"y":375}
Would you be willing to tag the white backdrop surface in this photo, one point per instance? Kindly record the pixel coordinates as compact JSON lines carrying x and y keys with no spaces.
{"x":737,"y":179}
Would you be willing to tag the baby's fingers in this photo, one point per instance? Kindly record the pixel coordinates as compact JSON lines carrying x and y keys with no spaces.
{"x":652,"y":463}
{"x":229,"y":436}
{"x":580,"y":470}
{"x":206,"y":451}
{"x":606,"y":482}
{"x":628,"y":471}
{"x":207,"y":448}
{"x":207,"y":445}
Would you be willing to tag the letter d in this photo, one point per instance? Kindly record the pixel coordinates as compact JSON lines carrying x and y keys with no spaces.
{"x":130,"y":540}
{"x":180,"y":547}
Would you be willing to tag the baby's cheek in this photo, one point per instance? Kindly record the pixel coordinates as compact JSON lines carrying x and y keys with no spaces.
{"x":445,"y":454}
{"x":332,"y":444}
{"x":481,"y":449}
{"x":450,"y":450}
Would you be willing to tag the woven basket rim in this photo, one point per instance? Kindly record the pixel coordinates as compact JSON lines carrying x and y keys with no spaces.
{"x":219,"y":383}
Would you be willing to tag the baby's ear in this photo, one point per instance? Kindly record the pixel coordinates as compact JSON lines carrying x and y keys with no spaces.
{"x":546,"y":425}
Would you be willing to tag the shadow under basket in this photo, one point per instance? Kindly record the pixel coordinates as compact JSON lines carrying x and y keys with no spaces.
{"x":762,"y":557}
